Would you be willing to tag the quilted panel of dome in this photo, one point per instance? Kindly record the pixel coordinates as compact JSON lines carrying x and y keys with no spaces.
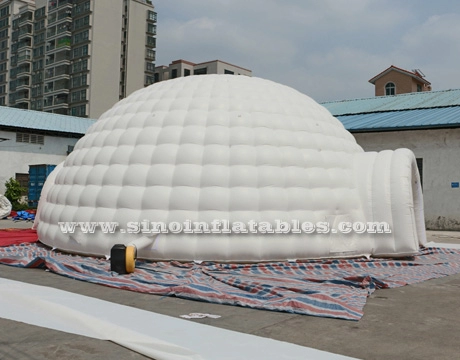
{"x":201,"y":148}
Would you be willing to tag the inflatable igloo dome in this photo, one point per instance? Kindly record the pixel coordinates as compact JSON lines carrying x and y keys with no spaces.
{"x":237,"y":150}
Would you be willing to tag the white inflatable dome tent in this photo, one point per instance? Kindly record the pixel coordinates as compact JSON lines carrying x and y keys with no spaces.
{"x":218,"y":147}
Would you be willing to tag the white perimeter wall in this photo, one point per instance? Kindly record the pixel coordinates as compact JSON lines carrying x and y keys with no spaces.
{"x":440,"y":150}
{"x":15,"y":157}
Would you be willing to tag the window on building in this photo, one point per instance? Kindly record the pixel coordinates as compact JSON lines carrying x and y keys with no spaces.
{"x":80,"y":37}
{"x":37,"y":78}
{"x":79,"y":95}
{"x":23,"y":180}
{"x":79,"y":80}
{"x":419,"y":88}
{"x":49,"y":87}
{"x":390,"y":89}
{"x":151,"y":28}
{"x":4,"y":22}
{"x":79,"y":23}
{"x":39,"y":38}
{"x":80,"y":8}
{"x":151,"y":41}
{"x":37,"y":65}
{"x":149,"y":80}
{"x":229,"y":72}
{"x":13,"y":85}
{"x":151,"y":15}
{"x":149,"y":66}
{"x":30,"y":138}
{"x":52,"y":18}
{"x":39,"y":25}
{"x":5,"y":11}
{"x":202,"y":71}
{"x":150,"y":54}
{"x":173,"y":73}
{"x":40,"y":12}
{"x":78,"y":110}
{"x":48,"y":101}
{"x":186,"y":72}
{"x":80,"y":51}
{"x":156,"y":77}
{"x":39,"y":51}
{"x":49,"y":73}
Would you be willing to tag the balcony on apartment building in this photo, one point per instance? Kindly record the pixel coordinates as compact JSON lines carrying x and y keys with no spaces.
{"x":22,"y":43}
{"x":64,"y":14}
{"x":63,"y":27}
{"x":55,"y":86}
{"x":21,"y":52}
{"x":14,"y":61}
{"x":37,"y":90}
{"x":20,"y":99}
{"x":25,"y":15}
{"x":54,"y":5}
{"x":57,"y":72}
{"x":61,"y":30}
{"x":58,"y":57}
{"x":151,"y":16}
{"x":40,"y":13}
{"x":24,"y":30}
{"x":25,"y":42}
{"x":57,"y":104}
{"x":16,"y":71}
{"x":58,"y":101}
{"x":81,"y":8}
{"x":23,"y":82}
{"x":23,"y":56}
{"x":57,"y":44}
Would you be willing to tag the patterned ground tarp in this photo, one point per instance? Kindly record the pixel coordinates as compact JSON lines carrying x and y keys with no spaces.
{"x":328,"y":288}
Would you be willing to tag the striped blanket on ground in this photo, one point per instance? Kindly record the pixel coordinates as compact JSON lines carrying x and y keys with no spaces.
{"x":328,"y":288}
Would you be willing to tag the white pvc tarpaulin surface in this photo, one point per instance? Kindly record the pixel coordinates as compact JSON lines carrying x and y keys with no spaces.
{"x":236,"y":149}
{"x":157,"y":336}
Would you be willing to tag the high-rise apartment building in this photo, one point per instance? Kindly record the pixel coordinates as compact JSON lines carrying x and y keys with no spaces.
{"x":75,"y":57}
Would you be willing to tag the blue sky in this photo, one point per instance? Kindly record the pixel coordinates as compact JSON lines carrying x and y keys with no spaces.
{"x":327,"y":49}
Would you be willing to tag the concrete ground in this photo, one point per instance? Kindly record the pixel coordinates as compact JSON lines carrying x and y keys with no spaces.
{"x":413,"y":322}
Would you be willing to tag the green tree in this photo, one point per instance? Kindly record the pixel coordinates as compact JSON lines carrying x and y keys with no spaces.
{"x":14,"y":192}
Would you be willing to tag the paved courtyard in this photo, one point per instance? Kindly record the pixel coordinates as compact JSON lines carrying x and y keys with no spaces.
{"x":419,"y":321}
